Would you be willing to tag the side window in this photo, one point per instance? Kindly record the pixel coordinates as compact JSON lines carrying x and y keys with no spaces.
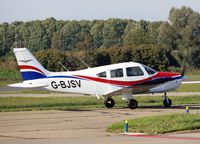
{"x":102,"y":74}
{"x":116,"y":73}
{"x":134,"y":71}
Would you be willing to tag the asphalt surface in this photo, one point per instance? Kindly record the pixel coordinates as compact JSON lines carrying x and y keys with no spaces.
{"x":83,"y":127}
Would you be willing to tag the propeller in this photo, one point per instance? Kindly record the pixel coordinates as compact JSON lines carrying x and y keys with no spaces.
{"x":183,"y":69}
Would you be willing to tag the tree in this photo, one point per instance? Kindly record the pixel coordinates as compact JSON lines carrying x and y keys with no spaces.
{"x":182,"y":33}
{"x":37,"y":39}
{"x":68,"y":35}
{"x":154,"y":56}
{"x":112,"y":32}
{"x":50,"y":26}
{"x":52,"y":58}
{"x":7,"y":37}
{"x":141,"y":32}
{"x":22,"y":35}
{"x":85,"y":40}
{"x":194,"y":59}
{"x":102,"y":57}
{"x":120,"y":54}
{"x":97,"y":33}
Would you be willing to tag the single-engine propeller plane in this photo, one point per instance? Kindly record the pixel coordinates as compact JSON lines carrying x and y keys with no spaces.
{"x":125,"y":79}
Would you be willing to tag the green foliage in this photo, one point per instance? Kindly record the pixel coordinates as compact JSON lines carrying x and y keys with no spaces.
{"x":154,"y":56}
{"x":52,"y":59}
{"x":7,"y":35}
{"x":71,"y":103}
{"x":182,"y":34}
{"x":68,"y":35}
{"x":120,"y":54}
{"x":48,"y":103}
{"x":194,"y":56}
{"x":113,"y":31}
{"x":189,"y":87}
{"x":161,"y":45}
{"x":97,"y":33}
{"x":102,"y":57}
{"x":160,"y":124}
{"x":8,"y":77}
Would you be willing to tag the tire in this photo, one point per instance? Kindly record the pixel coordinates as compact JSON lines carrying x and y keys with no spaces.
{"x":132,"y":104}
{"x":167,"y":102}
{"x":109,"y":103}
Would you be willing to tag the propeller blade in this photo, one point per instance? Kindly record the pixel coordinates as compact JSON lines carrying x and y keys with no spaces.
{"x":183,"y":69}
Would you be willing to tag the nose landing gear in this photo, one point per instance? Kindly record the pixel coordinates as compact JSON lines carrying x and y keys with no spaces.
{"x":167,"y":102}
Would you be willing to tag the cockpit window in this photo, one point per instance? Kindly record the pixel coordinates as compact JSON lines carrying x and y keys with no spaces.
{"x":134,"y":71}
{"x":102,"y":74}
{"x":149,"y":70}
{"x":116,"y":73}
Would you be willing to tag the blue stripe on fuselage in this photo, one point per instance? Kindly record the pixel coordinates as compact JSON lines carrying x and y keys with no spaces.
{"x":31,"y":75}
{"x":65,"y":77}
{"x":160,"y":80}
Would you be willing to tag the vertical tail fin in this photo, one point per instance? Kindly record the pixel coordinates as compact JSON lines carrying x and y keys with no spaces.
{"x":29,"y":67}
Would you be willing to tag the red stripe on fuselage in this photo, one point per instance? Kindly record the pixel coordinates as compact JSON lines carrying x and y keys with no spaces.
{"x":115,"y":82}
{"x":130,"y":83}
{"x":30,"y":67}
{"x":166,"y":74}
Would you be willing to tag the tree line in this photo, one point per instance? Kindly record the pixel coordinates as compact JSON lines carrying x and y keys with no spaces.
{"x":162,"y":45}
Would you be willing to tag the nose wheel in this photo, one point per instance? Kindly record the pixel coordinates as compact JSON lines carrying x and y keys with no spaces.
{"x":109,"y":103}
{"x":167,"y":102}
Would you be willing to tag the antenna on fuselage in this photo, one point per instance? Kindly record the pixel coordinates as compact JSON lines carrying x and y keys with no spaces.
{"x":63,"y":66}
{"x":84,"y":63}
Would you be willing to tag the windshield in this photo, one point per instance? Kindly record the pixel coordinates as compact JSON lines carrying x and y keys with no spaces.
{"x":149,"y":70}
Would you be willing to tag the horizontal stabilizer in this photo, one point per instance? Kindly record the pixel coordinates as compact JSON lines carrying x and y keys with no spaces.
{"x":27,"y":85}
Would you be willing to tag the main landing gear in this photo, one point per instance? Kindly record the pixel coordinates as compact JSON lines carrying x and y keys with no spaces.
{"x":109,"y":103}
{"x":167,"y":102}
{"x":132,"y":104}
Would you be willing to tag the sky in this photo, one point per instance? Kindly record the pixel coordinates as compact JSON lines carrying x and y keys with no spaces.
{"x":151,"y":10}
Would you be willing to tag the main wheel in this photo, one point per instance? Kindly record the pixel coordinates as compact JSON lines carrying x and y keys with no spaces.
{"x":167,"y":102}
{"x":109,"y":103}
{"x":132,"y":104}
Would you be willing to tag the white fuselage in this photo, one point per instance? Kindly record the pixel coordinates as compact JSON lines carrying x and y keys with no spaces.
{"x":123,"y":79}
{"x":87,"y":81}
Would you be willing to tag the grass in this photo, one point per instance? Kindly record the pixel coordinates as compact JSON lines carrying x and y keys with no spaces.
{"x":80,"y":103}
{"x":24,"y":91}
{"x":176,"y":100}
{"x":48,"y":103}
{"x":8,"y":77}
{"x":159,"y":124}
{"x":189,"y":88}
{"x":13,"y":75}
{"x":193,"y":77}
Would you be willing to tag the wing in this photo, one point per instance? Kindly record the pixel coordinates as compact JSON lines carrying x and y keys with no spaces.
{"x":131,"y":90}
{"x":143,"y":87}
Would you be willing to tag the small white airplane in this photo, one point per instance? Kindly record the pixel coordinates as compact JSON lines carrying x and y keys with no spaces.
{"x":123,"y":79}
